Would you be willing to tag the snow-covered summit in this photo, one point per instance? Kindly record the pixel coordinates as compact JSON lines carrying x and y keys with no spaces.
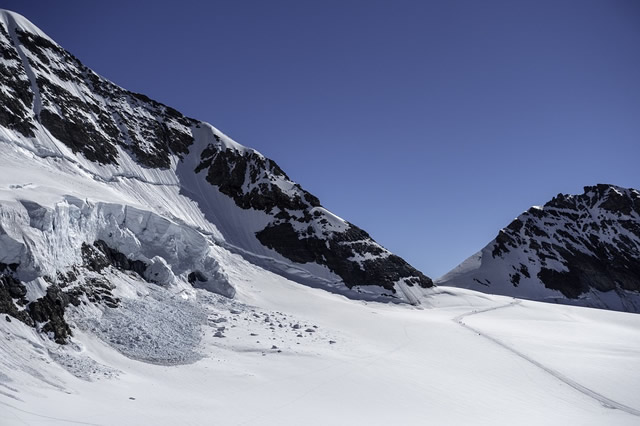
{"x":16,"y":20}
{"x":578,"y":249}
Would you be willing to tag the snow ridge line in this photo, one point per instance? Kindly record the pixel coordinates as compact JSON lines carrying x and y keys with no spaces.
{"x":59,"y":155}
{"x":606,"y":402}
{"x":37,"y":100}
{"x":116,"y":176}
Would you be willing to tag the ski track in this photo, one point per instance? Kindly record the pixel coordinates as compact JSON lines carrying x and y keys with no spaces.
{"x":606,"y":402}
{"x":55,"y":419}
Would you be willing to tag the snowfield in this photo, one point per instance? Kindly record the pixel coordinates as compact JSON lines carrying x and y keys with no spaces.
{"x":279,"y":353}
{"x":294,"y":355}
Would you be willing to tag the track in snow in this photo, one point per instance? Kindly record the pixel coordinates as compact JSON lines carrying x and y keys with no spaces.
{"x":48,"y":419}
{"x":606,"y":402}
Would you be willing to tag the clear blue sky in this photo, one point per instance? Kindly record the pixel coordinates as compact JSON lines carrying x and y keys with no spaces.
{"x":429,"y":124}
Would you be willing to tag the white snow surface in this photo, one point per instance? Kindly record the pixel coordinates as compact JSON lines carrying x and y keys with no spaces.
{"x":467,"y":358}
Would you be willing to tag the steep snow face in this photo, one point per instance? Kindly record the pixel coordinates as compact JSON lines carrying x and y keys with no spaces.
{"x":576,"y":249}
{"x":151,"y":156}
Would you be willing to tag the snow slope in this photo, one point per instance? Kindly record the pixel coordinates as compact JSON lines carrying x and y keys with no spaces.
{"x":389,"y":364}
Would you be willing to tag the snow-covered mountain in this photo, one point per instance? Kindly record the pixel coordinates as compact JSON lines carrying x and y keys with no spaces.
{"x":93,"y":171}
{"x":169,"y":260}
{"x":576,"y":249}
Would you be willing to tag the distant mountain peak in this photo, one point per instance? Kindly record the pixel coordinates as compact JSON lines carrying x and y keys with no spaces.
{"x":579,"y":249}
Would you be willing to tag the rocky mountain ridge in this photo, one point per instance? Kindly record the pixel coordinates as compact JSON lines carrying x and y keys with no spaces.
{"x":578,"y":249}
{"x":111,"y":156}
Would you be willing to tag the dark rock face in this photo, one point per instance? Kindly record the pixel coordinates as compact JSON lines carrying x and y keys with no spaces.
{"x":12,"y":295}
{"x":50,"y":311}
{"x":106,"y":116}
{"x":227,"y":169}
{"x":100,"y":255}
{"x":16,"y":103}
{"x":595,"y":236}
{"x":335,"y":253}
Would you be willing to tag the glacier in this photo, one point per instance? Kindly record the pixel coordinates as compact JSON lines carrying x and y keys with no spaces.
{"x":148,"y":280}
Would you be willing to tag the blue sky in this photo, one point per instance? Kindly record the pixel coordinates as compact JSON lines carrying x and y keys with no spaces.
{"x":429,"y":124}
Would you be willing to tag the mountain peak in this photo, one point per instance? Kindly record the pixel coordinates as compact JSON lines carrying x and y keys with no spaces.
{"x":14,"y":20}
{"x":154,"y":192}
{"x":579,"y":249}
